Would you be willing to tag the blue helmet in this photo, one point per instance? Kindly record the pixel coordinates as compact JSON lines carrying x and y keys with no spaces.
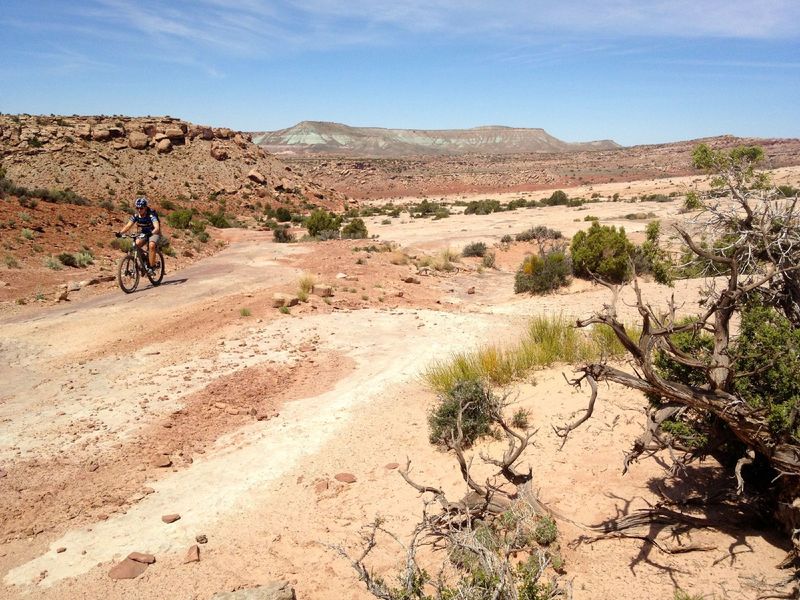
{"x":141,"y":202}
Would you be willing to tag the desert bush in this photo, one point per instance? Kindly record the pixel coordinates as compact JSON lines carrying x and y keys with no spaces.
{"x":488,"y":260}
{"x":27,"y":234}
{"x":11,"y":262}
{"x":602,"y":251}
{"x":355,"y":230}
{"x":650,"y":258}
{"x":218,"y":219}
{"x":306,"y":283}
{"x":123,"y":244}
{"x":545,"y":531}
{"x":283,"y":214}
{"x":245,"y":312}
{"x":321,"y":224}
{"x":282,"y":235}
{"x":474,"y":249}
{"x":106,"y":204}
{"x":180,"y":218}
{"x":506,"y":239}
{"x":474,"y":399}
{"x":540,"y":234}
{"x":482,"y":207}
{"x":53,"y":263}
{"x":67,"y":259}
{"x":557,"y":198}
{"x":540,"y":274}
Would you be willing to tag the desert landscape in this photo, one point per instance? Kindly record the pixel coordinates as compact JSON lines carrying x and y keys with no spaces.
{"x":254,"y":411}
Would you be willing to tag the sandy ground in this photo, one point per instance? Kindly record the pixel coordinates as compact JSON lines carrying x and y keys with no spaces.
{"x":255,"y":415}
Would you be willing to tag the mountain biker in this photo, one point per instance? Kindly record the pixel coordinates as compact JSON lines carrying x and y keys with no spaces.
{"x":149,"y":230}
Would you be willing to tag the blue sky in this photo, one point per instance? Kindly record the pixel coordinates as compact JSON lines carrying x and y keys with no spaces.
{"x":636,"y":71}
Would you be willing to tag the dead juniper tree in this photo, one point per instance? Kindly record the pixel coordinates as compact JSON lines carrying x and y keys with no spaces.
{"x":495,"y":543}
{"x":725,"y":381}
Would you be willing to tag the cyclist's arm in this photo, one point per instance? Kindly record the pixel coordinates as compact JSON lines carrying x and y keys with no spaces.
{"x":156,"y":225}
{"x":128,"y":225}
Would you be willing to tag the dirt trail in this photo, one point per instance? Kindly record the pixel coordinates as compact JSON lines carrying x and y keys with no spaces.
{"x":256,"y":415}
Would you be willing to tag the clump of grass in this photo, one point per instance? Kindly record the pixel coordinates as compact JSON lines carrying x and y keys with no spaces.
{"x":245,"y":312}
{"x":11,"y":262}
{"x":53,"y":263}
{"x":284,"y":310}
{"x":546,"y":531}
{"x":306,"y":284}
{"x":549,"y":340}
{"x":27,"y":234}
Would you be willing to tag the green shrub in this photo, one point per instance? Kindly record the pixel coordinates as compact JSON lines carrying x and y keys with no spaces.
{"x":245,"y":312}
{"x":768,"y":348}
{"x":474,"y":249}
{"x":546,"y":531}
{"x":53,"y":263}
{"x":650,"y":258}
{"x":27,"y":234}
{"x":218,"y":219}
{"x":506,"y":239}
{"x":67,"y":259}
{"x":542,"y":274}
{"x":540,"y":234}
{"x":482,"y":207}
{"x":181,"y":218}
{"x":202,"y":236}
{"x":283,"y":215}
{"x":355,"y":230}
{"x":320,"y":221}
{"x":602,"y":251}
{"x":488,"y":260}
{"x":282,"y":235}
{"x":557,"y":198}
{"x":477,"y":401}
{"x":123,"y":244}
{"x":11,"y":262}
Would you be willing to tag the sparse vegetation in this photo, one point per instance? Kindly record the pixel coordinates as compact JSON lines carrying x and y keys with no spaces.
{"x":474,"y":249}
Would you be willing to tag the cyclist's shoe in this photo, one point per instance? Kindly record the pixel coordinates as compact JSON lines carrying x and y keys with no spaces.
{"x":150,"y":271}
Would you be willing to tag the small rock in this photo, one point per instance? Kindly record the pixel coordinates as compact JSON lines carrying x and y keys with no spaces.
{"x":170,"y":518}
{"x":92,"y":467}
{"x":220,"y":405}
{"x":162,"y":461}
{"x":392,"y":466}
{"x":321,"y":486}
{"x":278,"y":590}
{"x":60,"y":550}
{"x":142,"y":557}
{"x":280,"y":299}
{"x":345,"y":477}
{"x":321,"y":290}
{"x":471,"y":290}
{"x":201,"y":539}
{"x":409,"y":279}
{"x":255,"y":175}
{"x":2,"y":473}
{"x":232,"y":411}
{"x":193,"y":555}
{"x":127,"y":569}
{"x":338,"y":276}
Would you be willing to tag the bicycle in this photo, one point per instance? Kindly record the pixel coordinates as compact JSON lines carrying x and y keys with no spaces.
{"x":134,"y":264}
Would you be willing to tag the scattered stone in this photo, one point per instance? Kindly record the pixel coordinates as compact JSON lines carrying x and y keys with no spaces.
{"x":345,"y":477}
{"x":278,"y":590}
{"x":232,"y":411}
{"x":201,"y":539}
{"x":60,"y":550}
{"x":170,"y":518}
{"x":409,"y":279}
{"x":321,"y":290}
{"x":255,"y":175}
{"x":220,"y":405}
{"x":280,"y":299}
{"x":142,"y":557}
{"x":218,"y":152}
{"x":193,"y":555}
{"x":338,"y":276}
{"x":162,"y":461}
{"x":127,"y":569}
{"x":321,"y":486}
{"x":392,"y":466}
{"x":62,"y":295}
{"x":164,"y":146}
{"x":2,"y":473}
{"x":471,"y":290}
{"x":92,"y":467}
{"x":138,"y":140}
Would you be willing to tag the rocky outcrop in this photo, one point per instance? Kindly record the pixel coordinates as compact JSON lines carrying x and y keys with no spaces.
{"x":163,"y":157}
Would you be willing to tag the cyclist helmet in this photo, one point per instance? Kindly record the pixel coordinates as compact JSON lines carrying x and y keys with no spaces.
{"x":141,"y":202}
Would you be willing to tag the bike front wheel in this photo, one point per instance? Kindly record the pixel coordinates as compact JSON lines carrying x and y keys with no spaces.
{"x":158,"y":271}
{"x":127,"y":274}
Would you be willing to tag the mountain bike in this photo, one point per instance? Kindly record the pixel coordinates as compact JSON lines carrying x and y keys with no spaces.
{"x":134,"y":264}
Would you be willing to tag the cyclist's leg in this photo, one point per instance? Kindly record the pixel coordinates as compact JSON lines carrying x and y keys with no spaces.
{"x":152,"y":241}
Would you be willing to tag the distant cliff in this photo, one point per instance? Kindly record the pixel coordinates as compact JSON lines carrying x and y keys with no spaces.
{"x":321,"y":138}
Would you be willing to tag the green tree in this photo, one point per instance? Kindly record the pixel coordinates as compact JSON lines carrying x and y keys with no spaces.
{"x":602,"y":251}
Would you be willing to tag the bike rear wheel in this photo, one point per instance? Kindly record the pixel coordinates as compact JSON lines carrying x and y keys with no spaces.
{"x":127,"y":274}
{"x":158,"y":272}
